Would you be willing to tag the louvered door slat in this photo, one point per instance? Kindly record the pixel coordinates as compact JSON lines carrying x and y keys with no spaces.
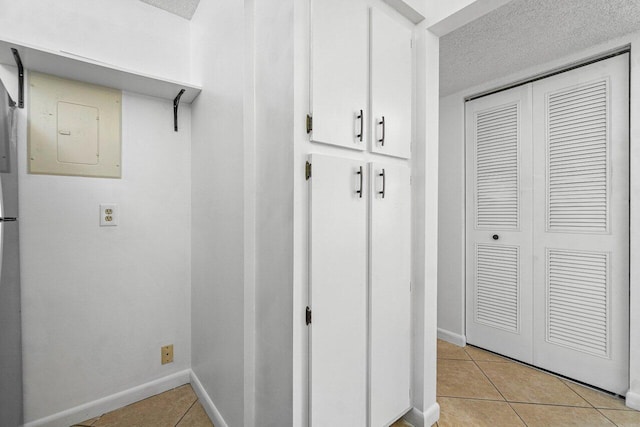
{"x":496,"y":165}
{"x":577,"y":159}
{"x":577,"y":281}
{"x":580,"y":113}
{"x":497,"y":286}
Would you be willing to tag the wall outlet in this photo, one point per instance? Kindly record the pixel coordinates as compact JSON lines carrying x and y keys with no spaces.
{"x":167,"y":354}
{"x":108,"y":214}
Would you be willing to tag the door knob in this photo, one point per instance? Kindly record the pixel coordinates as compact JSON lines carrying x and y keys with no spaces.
{"x":495,"y":237}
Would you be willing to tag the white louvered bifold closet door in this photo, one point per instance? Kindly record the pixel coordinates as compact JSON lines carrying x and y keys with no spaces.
{"x":499,"y":223}
{"x":581,"y":223}
{"x":548,"y":178}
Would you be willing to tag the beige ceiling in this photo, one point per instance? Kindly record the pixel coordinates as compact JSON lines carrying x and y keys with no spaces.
{"x":525,"y":33}
{"x":183,"y":8}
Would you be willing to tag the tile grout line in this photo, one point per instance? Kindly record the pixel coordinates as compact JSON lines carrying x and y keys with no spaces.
{"x":564,"y":381}
{"x":543,"y":404}
{"x":601,"y":413}
{"x":529,"y":403}
{"x":471,"y":398}
{"x":496,"y":387}
{"x":577,"y":394}
{"x":186,"y":412}
{"x":592,"y":405}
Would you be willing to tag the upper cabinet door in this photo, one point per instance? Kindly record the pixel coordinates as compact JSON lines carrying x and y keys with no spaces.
{"x":339,"y":70}
{"x":391,"y":78}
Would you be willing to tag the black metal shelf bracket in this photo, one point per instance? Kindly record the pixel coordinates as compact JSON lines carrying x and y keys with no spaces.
{"x":16,"y":56}
{"x":176,"y":103}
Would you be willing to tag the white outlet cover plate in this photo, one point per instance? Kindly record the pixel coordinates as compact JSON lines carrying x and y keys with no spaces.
{"x":109,"y":214}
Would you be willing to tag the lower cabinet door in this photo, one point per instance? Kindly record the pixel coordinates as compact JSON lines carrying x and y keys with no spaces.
{"x":338,"y":292}
{"x":389,"y":292}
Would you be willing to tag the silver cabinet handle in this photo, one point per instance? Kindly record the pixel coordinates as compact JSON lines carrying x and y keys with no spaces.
{"x":384,"y":183}
{"x":360,"y":190}
{"x":381,"y":122}
{"x":8,"y":219}
{"x":361,"y":118}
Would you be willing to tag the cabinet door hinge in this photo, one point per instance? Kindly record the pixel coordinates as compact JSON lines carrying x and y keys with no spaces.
{"x":307,"y":171}
{"x":308,"y":316}
{"x":309,"y":123}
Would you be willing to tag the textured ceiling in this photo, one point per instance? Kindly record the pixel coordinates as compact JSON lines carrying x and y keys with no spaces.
{"x":184,"y":8}
{"x":525,"y":33}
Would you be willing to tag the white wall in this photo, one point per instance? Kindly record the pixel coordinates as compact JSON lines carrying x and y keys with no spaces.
{"x":633,"y":396}
{"x":218,"y":192}
{"x":451,"y":228}
{"x":99,"y":302}
{"x":419,"y":6}
{"x":128,"y":34}
{"x":446,"y":16}
{"x":274,"y":97}
{"x":10,"y":316}
{"x":414,"y":10}
{"x":425,"y":219}
{"x":439,"y":10}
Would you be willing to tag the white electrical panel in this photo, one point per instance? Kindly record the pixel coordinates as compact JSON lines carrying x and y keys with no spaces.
{"x":74,"y":128}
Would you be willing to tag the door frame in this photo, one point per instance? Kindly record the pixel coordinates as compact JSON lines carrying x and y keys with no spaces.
{"x":599,"y":53}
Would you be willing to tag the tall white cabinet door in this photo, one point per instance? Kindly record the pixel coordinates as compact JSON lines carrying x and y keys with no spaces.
{"x":339,"y":70}
{"x":499,"y":223}
{"x":338,"y":292}
{"x":581,"y":223}
{"x":390,"y":295}
{"x":391,"y":78}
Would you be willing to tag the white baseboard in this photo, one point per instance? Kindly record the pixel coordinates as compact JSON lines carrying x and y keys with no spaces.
{"x":114,"y":401}
{"x":457,"y":339}
{"x":414,"y":417}
{"x":633,"y":400}
{"x":432,"y":414}
{"x":423,"y":419}
{"x":206,"y":402}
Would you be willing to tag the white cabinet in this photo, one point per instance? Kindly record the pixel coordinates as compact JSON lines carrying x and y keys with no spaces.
{"x":351,"y":54}
{"x":389,"y":292}
{"x":361,"y":76}
{"x":339,"y":64}
{"x":391,"y":71}
{"x":338,"y":292}
{"x":360,"y":323}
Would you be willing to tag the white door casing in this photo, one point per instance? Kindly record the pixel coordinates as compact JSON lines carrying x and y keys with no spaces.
{"x":498,"y":138}
{"x":389,"y":292}
{"x":338,"y":291}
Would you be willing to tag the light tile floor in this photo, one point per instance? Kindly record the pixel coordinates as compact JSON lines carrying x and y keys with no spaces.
{"x":479,"y":388}
{"x":475,"y":388}
{"x":174,"y":408}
